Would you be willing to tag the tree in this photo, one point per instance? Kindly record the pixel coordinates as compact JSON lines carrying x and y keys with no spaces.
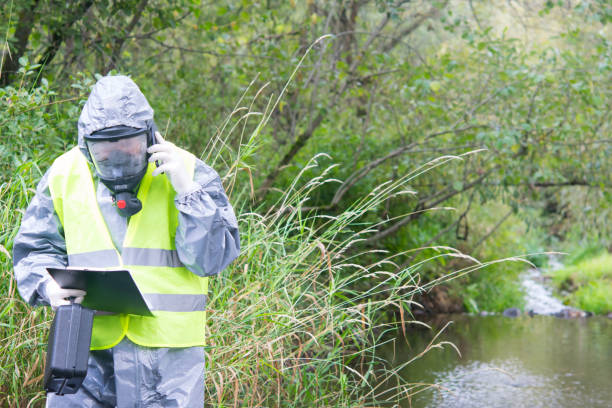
{"x":81,"y":31}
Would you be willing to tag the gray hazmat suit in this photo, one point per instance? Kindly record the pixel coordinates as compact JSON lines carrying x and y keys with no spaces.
{"x":207,"y":240}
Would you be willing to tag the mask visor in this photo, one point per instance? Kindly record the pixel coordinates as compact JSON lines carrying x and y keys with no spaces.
{"x":120,"y":158}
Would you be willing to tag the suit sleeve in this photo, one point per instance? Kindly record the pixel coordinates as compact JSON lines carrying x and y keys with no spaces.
{"x":207,"y":238}
{"x":39,"y":244}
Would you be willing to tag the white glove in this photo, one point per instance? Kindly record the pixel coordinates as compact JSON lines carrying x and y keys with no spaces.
{"x":57,"y":296}
{"x":171,"y":163}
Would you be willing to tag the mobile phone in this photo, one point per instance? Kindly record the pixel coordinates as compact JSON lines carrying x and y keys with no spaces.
{"x":152,"y":138}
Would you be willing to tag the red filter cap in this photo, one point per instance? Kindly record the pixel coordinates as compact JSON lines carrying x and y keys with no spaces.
{"x":121,"y":204}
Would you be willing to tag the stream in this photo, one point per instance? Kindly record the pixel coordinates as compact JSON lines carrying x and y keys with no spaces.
{"x":538,"y":361}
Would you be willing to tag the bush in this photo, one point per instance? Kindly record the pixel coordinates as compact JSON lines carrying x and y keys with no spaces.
{"x":587,"y":283}
{"x":295,"y":318}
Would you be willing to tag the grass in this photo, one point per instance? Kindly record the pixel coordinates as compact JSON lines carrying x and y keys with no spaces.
{"x":296,"y":320}
{"x":588,"y":282}
{"x":23,"y":330}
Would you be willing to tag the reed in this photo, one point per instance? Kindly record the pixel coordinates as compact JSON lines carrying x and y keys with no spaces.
{"x":296,"y":320}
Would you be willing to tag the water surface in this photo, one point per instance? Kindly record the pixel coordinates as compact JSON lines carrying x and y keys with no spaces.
{"x":539,"y":361}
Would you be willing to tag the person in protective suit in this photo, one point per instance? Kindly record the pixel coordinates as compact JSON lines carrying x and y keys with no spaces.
{"x":126,"y":198}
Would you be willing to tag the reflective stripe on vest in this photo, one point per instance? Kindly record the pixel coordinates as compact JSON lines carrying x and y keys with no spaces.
{"x":132,"y":256}
{"x":151,"y":257}
{"x":175,"y":303}
{"x":95,"y":259}
{"x":176,"y":296}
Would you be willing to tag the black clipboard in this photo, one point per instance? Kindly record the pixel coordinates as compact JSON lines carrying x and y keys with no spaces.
{"x":109,"y":291}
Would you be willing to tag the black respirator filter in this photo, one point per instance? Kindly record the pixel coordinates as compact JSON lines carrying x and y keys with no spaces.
{"x":127,"y":203}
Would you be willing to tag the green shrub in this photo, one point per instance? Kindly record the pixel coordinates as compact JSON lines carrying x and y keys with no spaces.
{"x":295,"y":319}
{"x":588,"y":282}
{"x":594,"y":297}
{"x":583,"y":253}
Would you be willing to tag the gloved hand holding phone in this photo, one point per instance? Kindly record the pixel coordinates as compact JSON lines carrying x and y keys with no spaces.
{"x":171,"y":163}
{"x":58,"y":296}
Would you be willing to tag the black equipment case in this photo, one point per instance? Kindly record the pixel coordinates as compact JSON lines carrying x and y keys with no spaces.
{"x":68,"y":349}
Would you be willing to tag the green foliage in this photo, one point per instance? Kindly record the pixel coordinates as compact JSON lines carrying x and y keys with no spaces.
{"x":583,"y":254}
{"x":96,"y":30}
{"x":292,"y":316}
{"x":494,"y":290}
{"x":497,"y":287}
{"x":30,"y":140}
{"x":588,"y":281}
{"x":34,"y":126}
{"x":516,"y":113}
{"x":595,"y":297}
{"x":586,"y":270}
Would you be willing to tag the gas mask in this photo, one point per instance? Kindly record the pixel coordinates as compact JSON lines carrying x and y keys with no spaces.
{"x":120,"y":157}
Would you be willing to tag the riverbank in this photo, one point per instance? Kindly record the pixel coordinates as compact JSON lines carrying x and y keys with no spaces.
{"x":586,"y":283}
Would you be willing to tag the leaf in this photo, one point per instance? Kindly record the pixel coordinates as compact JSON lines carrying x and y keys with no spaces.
{"x":435,"y":86}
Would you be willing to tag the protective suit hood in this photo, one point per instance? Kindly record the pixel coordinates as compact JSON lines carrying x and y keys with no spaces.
{"x":114,"y":100}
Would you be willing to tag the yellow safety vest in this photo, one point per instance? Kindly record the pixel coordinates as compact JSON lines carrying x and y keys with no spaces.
{"x":176,"y":296}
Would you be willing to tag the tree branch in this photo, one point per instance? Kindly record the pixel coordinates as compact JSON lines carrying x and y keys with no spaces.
{"x":125,"y":33}
{"x":438,"y":235}
{"x":58,"y":35}
{"x":416,"y":214}
{"x":569,"y":183}
{"x":408,"y":30}
{"x":492,"y":231}
{"x":25,"y":24}
{"x":364,"y":171}
{"x":295,"y":148}
{"x":339,"y":90}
